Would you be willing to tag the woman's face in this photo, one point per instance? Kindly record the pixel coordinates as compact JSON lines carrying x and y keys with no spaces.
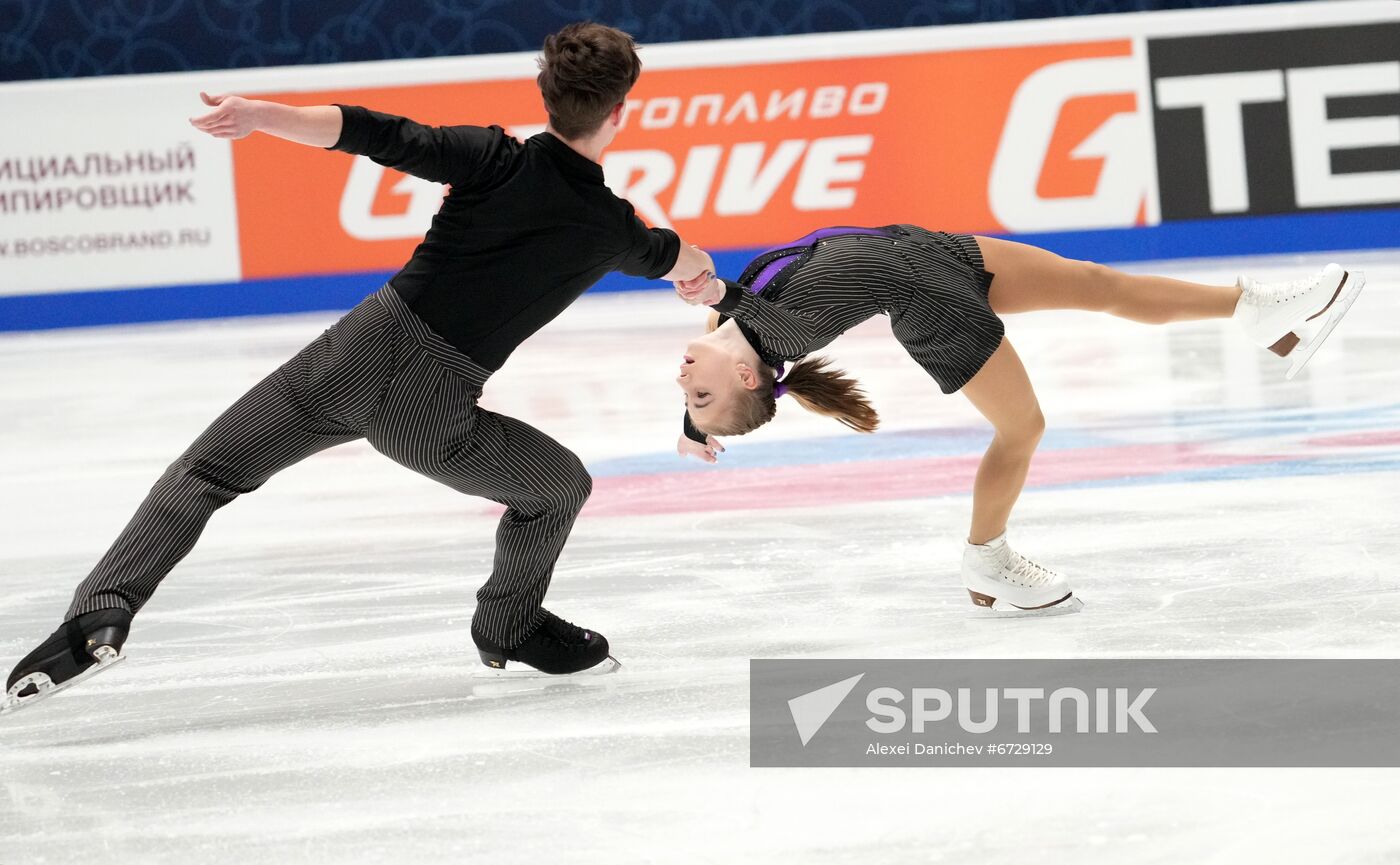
{"x":710,"y":377}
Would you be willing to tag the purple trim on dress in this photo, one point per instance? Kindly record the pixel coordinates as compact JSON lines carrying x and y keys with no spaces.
{"x":833,"y":231}
{"x":772,"y":269}
{"x":800,"y":246}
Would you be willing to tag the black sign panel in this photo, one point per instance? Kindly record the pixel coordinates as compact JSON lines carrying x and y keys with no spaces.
{"x":1207,"y":115}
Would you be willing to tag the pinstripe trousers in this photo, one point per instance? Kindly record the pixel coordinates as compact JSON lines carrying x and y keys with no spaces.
{"x":380,"y":373}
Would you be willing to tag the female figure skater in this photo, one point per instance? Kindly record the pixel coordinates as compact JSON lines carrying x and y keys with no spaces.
{"x":526,"y":228}
{"x":944,"y":294}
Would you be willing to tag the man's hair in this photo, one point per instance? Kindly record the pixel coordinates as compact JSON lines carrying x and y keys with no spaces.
{"x":585,"y":71}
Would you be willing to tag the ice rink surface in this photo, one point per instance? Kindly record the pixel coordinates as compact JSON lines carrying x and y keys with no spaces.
{"x":303,"y":688}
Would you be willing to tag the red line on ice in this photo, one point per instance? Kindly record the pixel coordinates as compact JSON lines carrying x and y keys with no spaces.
{"x":1373,"y":438}
{"x":882,"y":480}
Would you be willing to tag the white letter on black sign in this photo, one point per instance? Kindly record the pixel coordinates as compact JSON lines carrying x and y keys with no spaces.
{"x":1315,"y":137}
{"x":1220,"y":98}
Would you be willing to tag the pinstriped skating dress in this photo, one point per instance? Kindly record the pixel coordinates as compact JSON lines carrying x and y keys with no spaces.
{"x":797,"y":298}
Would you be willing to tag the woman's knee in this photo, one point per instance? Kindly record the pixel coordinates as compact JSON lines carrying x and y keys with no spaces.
{"x":1098,"y":284}
{"x":1113,"y":293}
{"x":1024,"y":432}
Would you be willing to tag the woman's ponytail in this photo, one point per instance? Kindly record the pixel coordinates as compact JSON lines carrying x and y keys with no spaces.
{"x":826,"y":391}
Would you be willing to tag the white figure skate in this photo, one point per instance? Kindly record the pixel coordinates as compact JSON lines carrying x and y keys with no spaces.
{"x":1003,"y":582}
{"x":1292,"y":319}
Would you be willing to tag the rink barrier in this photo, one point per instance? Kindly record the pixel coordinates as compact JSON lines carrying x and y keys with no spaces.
{"x":1241,"y":236}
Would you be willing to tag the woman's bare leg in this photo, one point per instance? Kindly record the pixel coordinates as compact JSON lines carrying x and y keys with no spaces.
{"x":1002,"y":392}
{"x":1029,"y":278}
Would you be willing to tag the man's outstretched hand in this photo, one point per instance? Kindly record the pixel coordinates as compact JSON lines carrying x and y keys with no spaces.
{"x":233,"y":117}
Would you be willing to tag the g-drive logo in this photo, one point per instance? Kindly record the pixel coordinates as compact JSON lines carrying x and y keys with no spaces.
{"x":979,"y":711}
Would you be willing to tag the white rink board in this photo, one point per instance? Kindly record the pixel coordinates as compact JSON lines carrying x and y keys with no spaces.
{"x":187,"y":237}
{"x":88,"y":245}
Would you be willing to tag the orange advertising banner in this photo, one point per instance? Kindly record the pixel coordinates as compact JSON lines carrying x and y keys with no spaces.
{"x":987,"y":140}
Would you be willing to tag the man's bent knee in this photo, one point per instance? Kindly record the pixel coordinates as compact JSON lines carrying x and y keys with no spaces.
{"x":569,"y":490}
{"x":580,"y":487}
{"x":210,"y":474}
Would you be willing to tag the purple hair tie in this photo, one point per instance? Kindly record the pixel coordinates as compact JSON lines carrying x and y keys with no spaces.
{"x":778,"y":387}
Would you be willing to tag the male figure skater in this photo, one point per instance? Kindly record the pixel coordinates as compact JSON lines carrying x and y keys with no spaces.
{"x":525,"y":229}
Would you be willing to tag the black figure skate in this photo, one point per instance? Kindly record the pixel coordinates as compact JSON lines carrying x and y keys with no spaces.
{"x":555,"y":647}
{"x":80,"y":648}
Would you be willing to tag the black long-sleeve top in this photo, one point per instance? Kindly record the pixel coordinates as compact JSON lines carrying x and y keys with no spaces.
{"x":525,"y":229}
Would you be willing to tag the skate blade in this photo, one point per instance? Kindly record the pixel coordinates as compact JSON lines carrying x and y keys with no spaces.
{"x":1002,"y":610}
{"x":14,"y":702}
{"x":522,"y":671}
{"x":1355,"y":281}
